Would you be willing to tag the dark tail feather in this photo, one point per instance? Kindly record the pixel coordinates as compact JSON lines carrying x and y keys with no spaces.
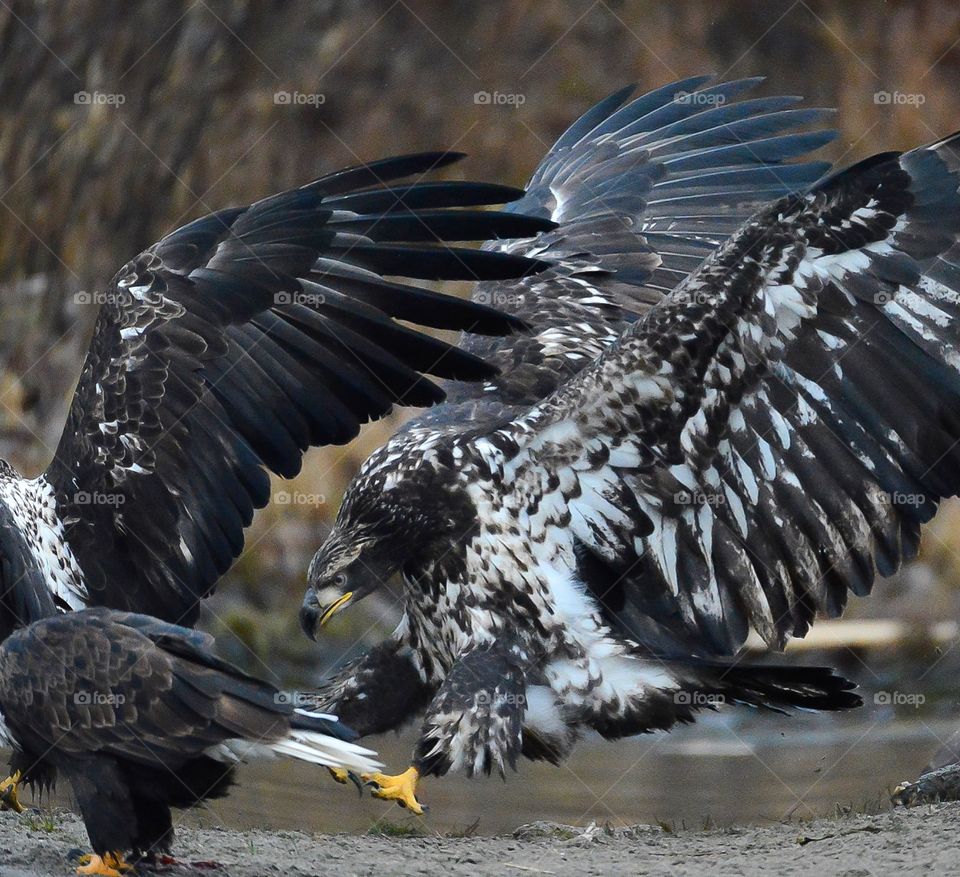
{"x":778,"y":688}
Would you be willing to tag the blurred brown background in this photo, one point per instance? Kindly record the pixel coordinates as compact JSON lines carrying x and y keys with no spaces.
{"x":121,"y":120}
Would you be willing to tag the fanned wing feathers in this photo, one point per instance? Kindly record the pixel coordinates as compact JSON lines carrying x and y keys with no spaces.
{"x":643,"y":191}
{"x":778,"y":427}
{"x":241,"y":339}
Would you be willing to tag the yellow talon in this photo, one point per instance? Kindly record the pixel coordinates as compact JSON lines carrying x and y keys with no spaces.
{"x":8,"y":794}
{"x":339,"y":775}
{"x":401,"y":788}
{"x":108,"y":865}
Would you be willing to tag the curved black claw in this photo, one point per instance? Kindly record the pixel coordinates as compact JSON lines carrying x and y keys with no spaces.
{"x":355,"y":779}
{"x":340,"y":775}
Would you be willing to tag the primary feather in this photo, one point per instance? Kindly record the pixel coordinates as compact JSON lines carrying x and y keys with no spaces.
{"x":228,"y":348}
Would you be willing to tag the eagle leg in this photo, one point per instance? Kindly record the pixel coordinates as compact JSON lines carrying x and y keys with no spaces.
{"x":107,"y":865}
{"x":8,"y":794}
{"x":343,"y":776}
{"x":377,"y":693}
{"x":401,"y":788}
{"x":475,"y":722}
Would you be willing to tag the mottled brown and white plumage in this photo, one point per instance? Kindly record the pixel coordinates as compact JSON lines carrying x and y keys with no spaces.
{"x":737,"y":400}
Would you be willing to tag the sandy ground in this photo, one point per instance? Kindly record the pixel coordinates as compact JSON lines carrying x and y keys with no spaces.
{"x":921,"y":840}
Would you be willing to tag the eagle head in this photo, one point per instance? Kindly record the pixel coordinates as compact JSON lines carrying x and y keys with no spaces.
{"x":400,"y":509}
{"x":342,"y":571}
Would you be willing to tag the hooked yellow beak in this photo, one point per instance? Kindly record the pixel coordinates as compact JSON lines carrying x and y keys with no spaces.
{"x":335,"y":607}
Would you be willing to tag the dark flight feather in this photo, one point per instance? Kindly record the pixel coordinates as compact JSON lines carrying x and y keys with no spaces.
{"x":243,"y":338}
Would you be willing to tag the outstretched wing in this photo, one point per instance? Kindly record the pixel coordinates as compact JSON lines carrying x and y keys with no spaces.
{"x":642,"y":191}
{"x":774,"y":432}
{"x":243,"y":338}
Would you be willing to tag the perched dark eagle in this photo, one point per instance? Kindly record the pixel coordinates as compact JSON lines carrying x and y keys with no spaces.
{"x":140,"y":716}
{"x":221,"y":352}
{"x":737,"y":399}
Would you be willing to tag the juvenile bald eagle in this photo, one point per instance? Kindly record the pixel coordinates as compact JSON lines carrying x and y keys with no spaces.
{"x":738,"y":398}
{"x":138,"y":715}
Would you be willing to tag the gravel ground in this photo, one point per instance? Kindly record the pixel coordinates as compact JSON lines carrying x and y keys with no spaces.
{"x":921,"y":840}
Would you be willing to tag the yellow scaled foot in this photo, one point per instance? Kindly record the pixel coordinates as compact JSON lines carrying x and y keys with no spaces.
{"x":344,"y":776}
{"x":401,"y":788}
{"x":108,"y":865}
{"x":8,"y":794}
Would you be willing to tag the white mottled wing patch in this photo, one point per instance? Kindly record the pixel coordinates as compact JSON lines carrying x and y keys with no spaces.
{"x":33,"y":505}
{"x":776,"y":430}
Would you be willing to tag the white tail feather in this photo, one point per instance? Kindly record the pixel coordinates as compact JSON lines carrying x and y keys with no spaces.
{"x":313,"y":714}
{"x":328,"y":751}
{"x":309,"y":746}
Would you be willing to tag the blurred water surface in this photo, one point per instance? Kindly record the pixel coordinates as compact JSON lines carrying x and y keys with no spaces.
{"x":724,"y":771}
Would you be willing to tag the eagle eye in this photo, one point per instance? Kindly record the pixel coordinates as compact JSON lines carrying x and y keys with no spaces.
{"x":340,"y":580}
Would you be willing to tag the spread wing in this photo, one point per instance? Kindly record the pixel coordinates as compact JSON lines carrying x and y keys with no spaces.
{"x":243,"y":338}
{"x":776,"y":430}
{"x":642,"y":191}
